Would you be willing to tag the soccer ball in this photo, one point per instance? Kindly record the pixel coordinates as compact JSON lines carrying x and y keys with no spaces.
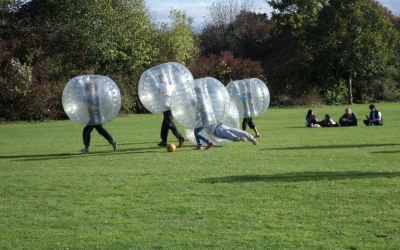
{"x":171,"y":147}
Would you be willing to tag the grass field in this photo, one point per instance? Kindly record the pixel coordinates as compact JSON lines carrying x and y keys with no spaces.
{"x":300,"y":188}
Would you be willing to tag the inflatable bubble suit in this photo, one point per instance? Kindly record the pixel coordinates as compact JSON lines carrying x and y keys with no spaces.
{"x":173,"y":73}
{"x":231,"y":119}
{"x":200,"y":103}
{"x":91,"y":99}
{"x":251,"y":96}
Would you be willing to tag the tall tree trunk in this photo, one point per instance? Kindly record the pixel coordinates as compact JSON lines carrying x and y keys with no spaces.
{"x":351,"y":88}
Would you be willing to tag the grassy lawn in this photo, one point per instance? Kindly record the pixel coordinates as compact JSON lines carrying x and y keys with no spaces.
{"x":300,"y":188}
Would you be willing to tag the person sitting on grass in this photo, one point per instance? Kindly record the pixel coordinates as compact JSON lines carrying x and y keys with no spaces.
{"x":349,"y":118}
{"x":311,"y":119}
{"x":374,"y":118}
{"x":328,"y":122}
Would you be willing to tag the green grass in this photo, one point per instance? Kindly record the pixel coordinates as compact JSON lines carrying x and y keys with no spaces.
{"x":300,"y":188}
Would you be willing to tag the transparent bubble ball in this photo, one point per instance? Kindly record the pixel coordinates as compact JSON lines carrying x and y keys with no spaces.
{"x":251,"y":96}
{"x":200,"y":103}
{"x":91,"y":99}
{"x":231,"y":119}
{"x":148,"y":89}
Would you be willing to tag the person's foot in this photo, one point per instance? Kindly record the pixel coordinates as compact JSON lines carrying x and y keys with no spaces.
{"x":210,"y":145}
{"x":114,"y":145}
{"x":181,"y":141}
{"x":198,"y":148}
{"x":255,"y":142}
{"x":85,"y":150}
{"x":257,"y":136}
{"x":162,"y":144}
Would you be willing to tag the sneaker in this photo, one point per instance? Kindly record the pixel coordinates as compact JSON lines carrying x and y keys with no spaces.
{"x":85,"y":150}
{"x":114,"y":145}
{"x":255,"y":142}
{"x":257,"y":136}
{"x":162,"y":144}
{"x":198,"y":148}
{"x":210,"y":145}
{"x":181,"y":141}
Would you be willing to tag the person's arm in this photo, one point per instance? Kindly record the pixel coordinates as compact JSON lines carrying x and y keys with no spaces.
{"x":354,"y":117}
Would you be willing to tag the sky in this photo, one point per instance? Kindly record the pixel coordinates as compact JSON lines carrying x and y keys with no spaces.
{"x":197,"y":10}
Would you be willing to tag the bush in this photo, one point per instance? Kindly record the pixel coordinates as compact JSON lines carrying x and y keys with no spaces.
{"x":225,"y":67}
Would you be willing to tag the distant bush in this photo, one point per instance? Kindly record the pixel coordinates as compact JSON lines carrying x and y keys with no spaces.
{"x":226,"y":67}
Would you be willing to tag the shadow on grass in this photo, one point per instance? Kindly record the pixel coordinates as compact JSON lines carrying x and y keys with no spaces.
{"x":336,"y":146}
{"x":302,"y":176}
{"x":108,"y":152}
{"x":386,"y":152}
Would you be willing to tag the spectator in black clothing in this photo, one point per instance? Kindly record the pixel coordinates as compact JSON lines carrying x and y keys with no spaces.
{"x":349,"y":118}
{"x":328,"y":122}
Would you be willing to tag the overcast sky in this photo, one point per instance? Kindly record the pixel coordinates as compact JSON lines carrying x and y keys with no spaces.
{"x":198,"y":9}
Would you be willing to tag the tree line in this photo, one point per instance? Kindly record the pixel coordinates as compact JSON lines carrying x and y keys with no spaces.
{"x":308,"y":52}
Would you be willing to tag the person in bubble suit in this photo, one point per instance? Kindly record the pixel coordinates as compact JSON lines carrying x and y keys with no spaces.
{"x":92,"y":100}
{"x":247,"y":99}
{"x":224,"y":131}
{"x":168,"y":119}
{"x":201,"y":118}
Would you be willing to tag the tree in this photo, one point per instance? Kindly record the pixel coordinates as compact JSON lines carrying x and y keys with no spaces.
{"x":290,"y":58}
{"x":217,"y":35}
{"x":353,"y":39}
{"x":295,"y":18}
{"x":58,"y":40}
{"x":177,"y":41}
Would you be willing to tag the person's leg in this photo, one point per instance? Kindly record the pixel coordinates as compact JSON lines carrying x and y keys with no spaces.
{"x":173,"y":128}
{"x":223,"y":132}
{"x":366,"y":122}
{"x":171,"y":125}
{"x":245,"y":122}
{"x":164,"y":129}
{"x":102,"y":131}
{"x":379,"y":123}
{"x":252,"y":125}
{"x":200,"y":138}
{"x":86,"y":137}
{"x":240,"y":133}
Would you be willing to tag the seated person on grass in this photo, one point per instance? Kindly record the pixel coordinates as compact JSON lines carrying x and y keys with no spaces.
{"x":349,"y":118}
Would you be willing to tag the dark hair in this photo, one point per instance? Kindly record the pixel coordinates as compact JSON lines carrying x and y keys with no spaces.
{"x":90,"y":86}
{"x":372,"y":106}
{"x":309,"y":112}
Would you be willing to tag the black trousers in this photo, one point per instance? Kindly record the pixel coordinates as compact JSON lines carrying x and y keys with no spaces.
{"x":168,"y":124}
{"x":248,"y":122}
{"x":102,"y":131}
